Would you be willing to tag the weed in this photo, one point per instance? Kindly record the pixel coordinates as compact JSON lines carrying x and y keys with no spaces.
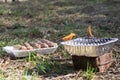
{"x":18,"y":26}
{"x":42,"y":65}
{"x":48,"y":66}
{"x":20,"y":33}
{"x":23,"y":78}
{"x":64,"y":53}
{"x":95,"y":1}
{"x":27,"y":32}
{"x":2,"y":75}
{"x":116,"y":57}
{"x":27,"y":76}
{"x":1,"y":12}
{"x":89,"y":73}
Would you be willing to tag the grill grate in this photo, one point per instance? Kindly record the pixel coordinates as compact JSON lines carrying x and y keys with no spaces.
{"x":89,"y":41}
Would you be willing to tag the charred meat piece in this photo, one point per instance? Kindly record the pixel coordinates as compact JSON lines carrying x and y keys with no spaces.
{"x":28,"y":46}
{"x":18,"y":47}
{"x":35,"y":45}
{"x":49,"y":43}
{"x":23,"y":48}
{"x":43,"y":45}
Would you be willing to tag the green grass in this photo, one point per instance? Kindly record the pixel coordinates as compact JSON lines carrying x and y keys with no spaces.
{"x":42,"y":65}
{"x":1,"y":74}
{"x":1,"y":11}
{"x":49,"y":67}
{"x":89,"y":73}
{"x":95,"y":1}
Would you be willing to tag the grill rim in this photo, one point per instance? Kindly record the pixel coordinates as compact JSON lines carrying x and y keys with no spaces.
{"x":67,"y":43}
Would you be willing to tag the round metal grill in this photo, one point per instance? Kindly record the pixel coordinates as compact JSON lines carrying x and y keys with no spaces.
{"x":89,"y":41}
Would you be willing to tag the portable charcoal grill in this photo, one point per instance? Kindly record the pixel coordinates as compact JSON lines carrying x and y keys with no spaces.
{"x":95,"y":51}
{"x":89,"y":46}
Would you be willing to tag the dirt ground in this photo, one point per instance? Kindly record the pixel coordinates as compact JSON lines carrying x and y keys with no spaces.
{"x":53,"y":19}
